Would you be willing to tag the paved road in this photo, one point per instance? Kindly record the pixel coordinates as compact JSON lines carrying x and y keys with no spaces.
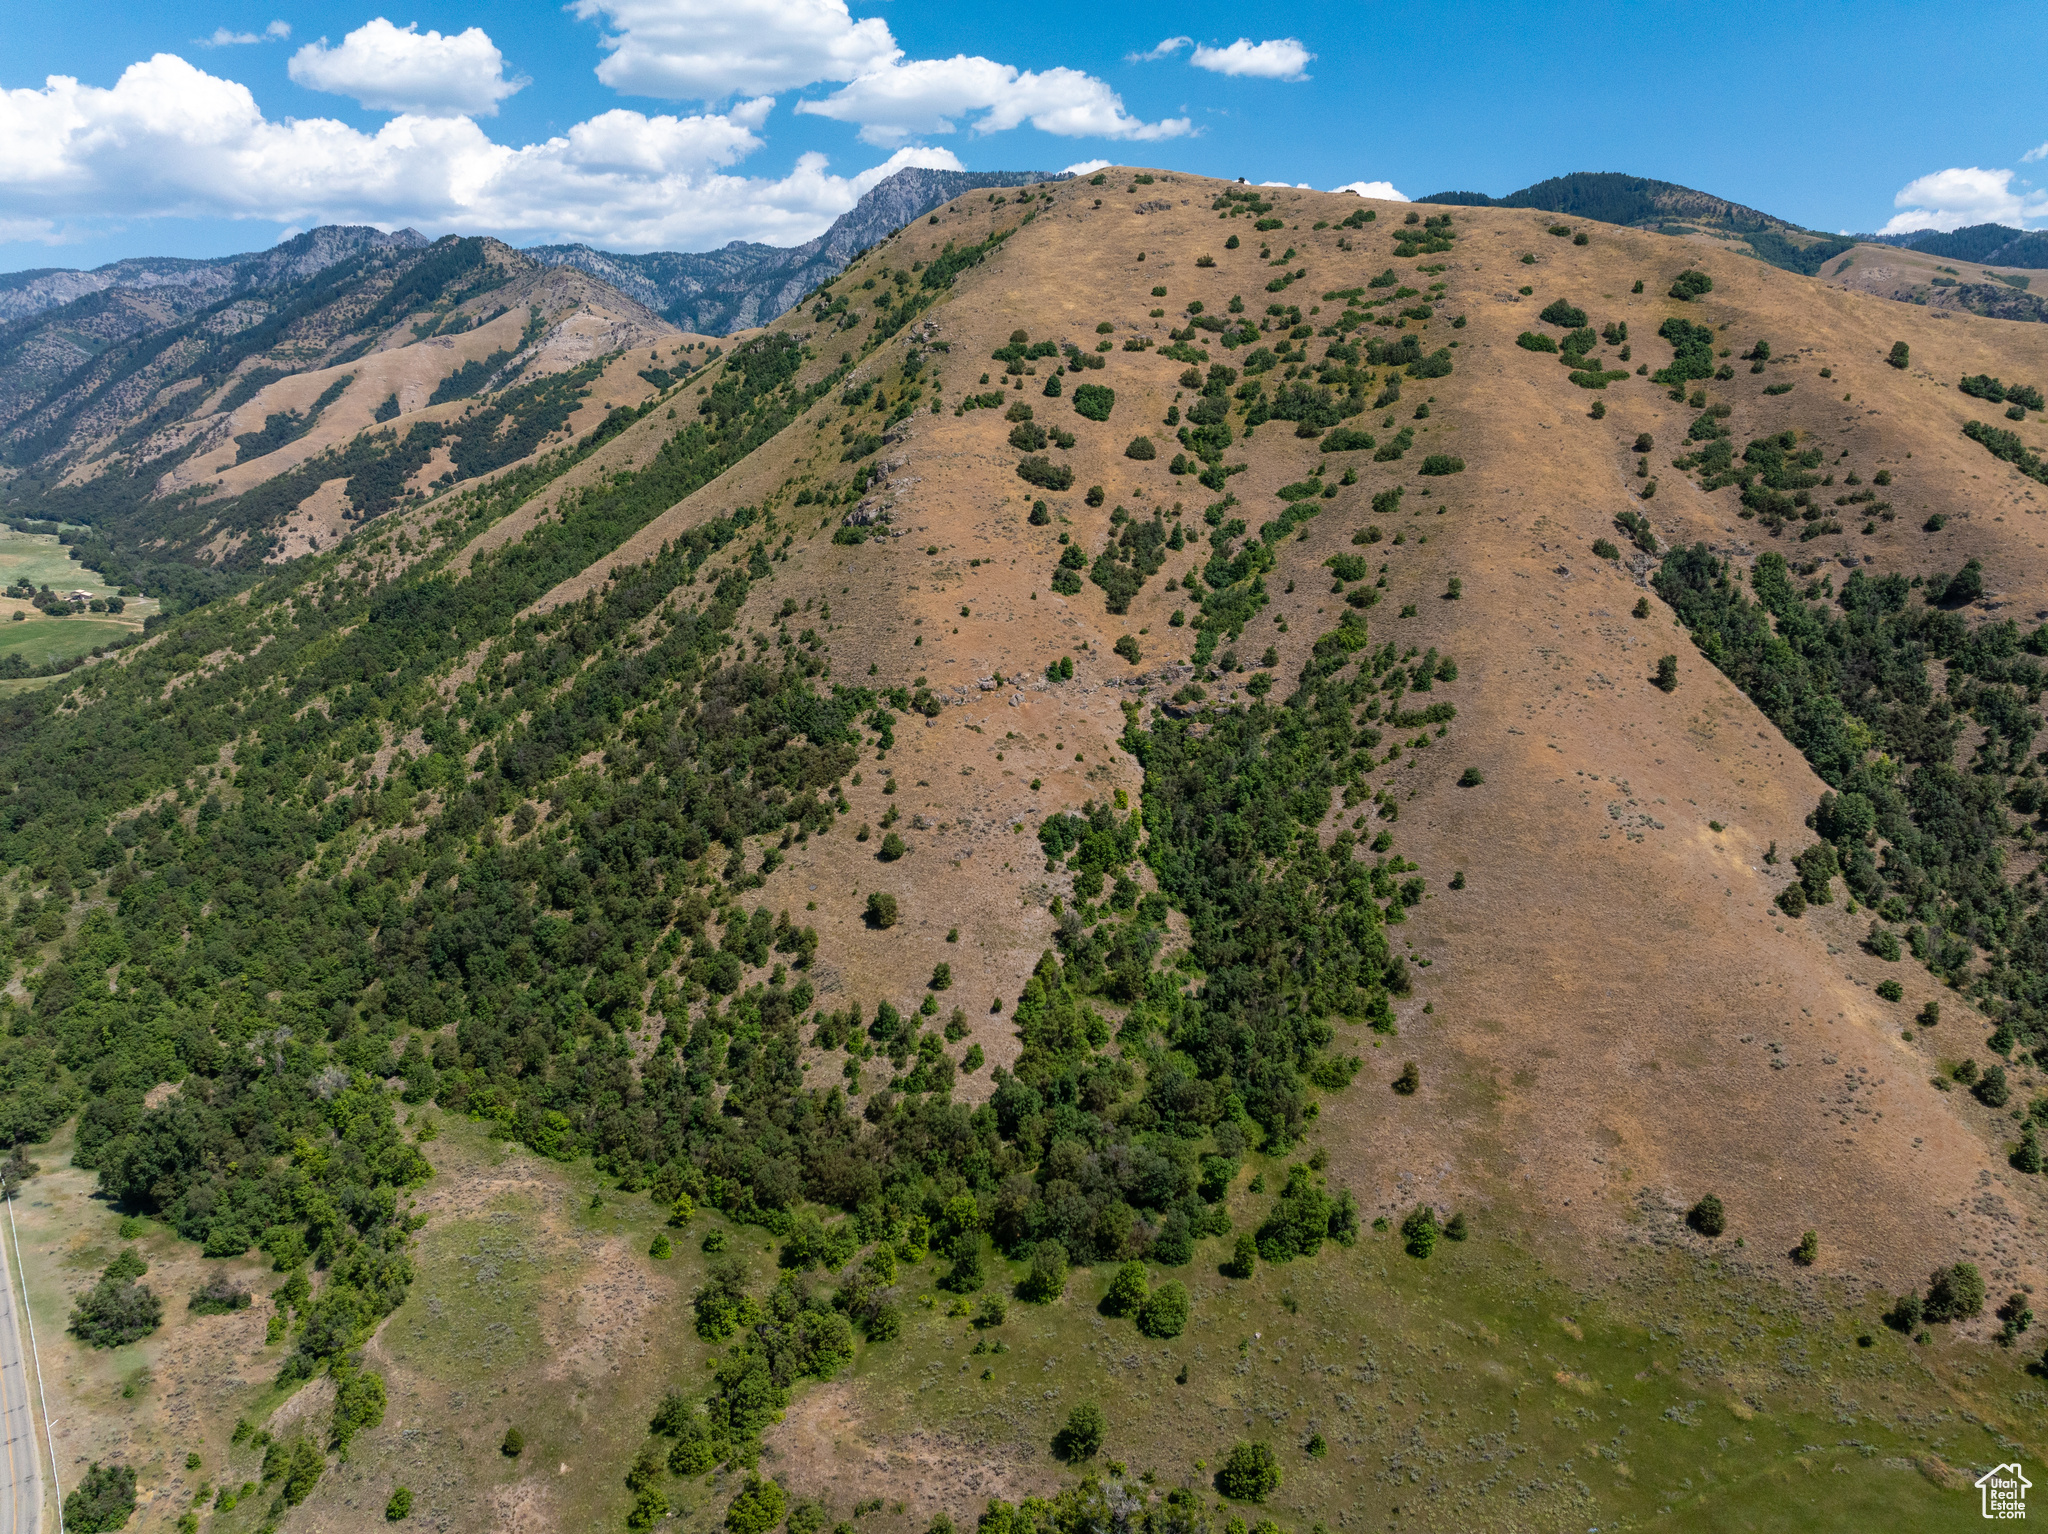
{"x":21,"y":1495}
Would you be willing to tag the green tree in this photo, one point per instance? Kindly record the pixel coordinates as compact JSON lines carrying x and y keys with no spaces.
{"x":1127,"y":1290}
{"x":1808,"y":1251}
{"x":1901,"y":355}
{"x":514,"y":1443}
{"x":1244,"y":1257}
{"x":400,"y":1505}
{"x":103,"y":1499}
{"x":1420,"y":1230}
{"x":881,"y":911}
{"x":1083,"y":1432}
{"x":1047,"y":1279}
{"x":1667,"y":673}
{"x":1707,"y":1216}
{"x":1954,"y":1293}
{"x":1165,"y":1311}
{"x":757,"y":1508}
{"x":1250,"y":1473}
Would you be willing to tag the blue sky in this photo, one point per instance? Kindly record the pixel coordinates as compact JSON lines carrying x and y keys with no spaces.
{"x":198,"y":129}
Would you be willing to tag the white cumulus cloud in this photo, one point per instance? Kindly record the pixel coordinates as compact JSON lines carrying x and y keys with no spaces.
{"x":1382,"y":190}
{"x":2038,"y":152}
{"x":1950,"y":199}
{"x":1085,"y":167}
{"x":1280,"y":58}
{"x":705,"y":50}
{"x":402,"y":69}
{"x":932,"y":95}
{"x":276,"y":32}
{"x":170,"y":140}
{"x":1167,"y":48}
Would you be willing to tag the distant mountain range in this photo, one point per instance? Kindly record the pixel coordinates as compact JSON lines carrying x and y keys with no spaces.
{"x":1985,"y":244}
{"x":744,"y":285}
{"x":711,"y":292}
{"x":184,"y":286}
{"x":1644,"y":203}
{"x":1640,"y":201}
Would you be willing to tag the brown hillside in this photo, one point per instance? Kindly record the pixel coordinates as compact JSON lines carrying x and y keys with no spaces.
{"x":1618,"y":1017}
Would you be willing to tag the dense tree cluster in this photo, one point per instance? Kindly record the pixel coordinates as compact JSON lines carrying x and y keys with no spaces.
{"x":1921,"y":841}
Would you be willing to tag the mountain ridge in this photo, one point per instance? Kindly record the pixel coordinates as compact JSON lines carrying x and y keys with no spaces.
{"x":743,"y":284}
{"x":1643,"y":202}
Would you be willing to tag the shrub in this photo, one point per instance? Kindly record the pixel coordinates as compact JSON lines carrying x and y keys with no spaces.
{"x":1905,"y":1314}
{"x":1604,"y":548}
{"x":1707,"y":1216}
{"x":514,"y":1443}
{"x":1891,"y":990}
{"x":1690,"y":284}
{"x":1047,"y":1279}
{"x":1420,"y":1231}
{"x":219,"y":1296}
{"x":1094,"y":497}
{"x":2028,"y":1157}
{"x":1410,"y":1079}
{"x":993,"y":1310}
{"x":758,"y":1507}
{"x":661,"y":1248}
{"x":1535,"y":341}
{"x":1471,"y":777}
{"x":1667,"y":673}
{"x":1564,"y":315}
{"x":1231,"y":243}
{"x":400,"y":1504}
{"x":1792,"y":901}
{"x":1250,"y":1473}
{"x":893,"y":847}
{"x":1954,"y":1293}
{"x":1082,"y":1435}
{"x":1127,"y":1290}
{"x":1244,"y":1257}
{"x":117,"y":1310}
{"x":1127,"y":647}
{"x":1644,"y":442}
{"x":1455,"y":1229}
{"x":1440,"y":464}
{"x":1094,"y":401}
{"x":1883,"y":942}
{"x":1808,"y":1250}
{"x":1141,"y":448}
{"x":1165,"y":1311}
{"x":1901,"y":354}
{"x":881,"y":911}
{"x":1040,"y":514}
{"x":1045,"y":474}
{"x":1992,"y":1089}
{"x":942,"y":977}
{"x":1930,"y":1015}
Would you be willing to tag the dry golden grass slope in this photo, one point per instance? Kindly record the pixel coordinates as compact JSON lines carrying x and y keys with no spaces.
{"x":1617,"y":1013}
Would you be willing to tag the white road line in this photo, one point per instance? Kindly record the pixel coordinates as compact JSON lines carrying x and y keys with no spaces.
{"x":49,"y":1436}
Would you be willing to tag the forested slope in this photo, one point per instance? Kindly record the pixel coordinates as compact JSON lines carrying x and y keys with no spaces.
{"x":953,"y":797}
